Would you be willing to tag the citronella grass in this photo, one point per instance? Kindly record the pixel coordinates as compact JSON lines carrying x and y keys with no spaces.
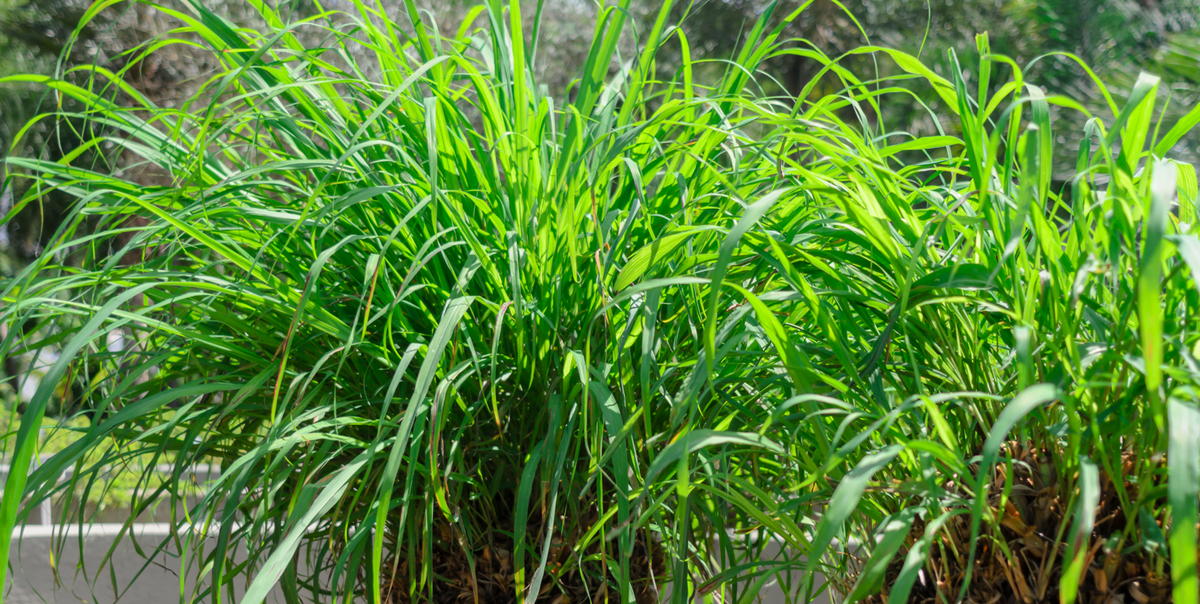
{"x":440,"y":315}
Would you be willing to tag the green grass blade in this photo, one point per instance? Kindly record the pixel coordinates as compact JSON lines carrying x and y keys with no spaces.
{"x":1183,"y":492}
{"x":1079,"y":539}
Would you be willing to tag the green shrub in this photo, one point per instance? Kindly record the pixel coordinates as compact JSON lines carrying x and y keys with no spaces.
{"x":425,"y":314}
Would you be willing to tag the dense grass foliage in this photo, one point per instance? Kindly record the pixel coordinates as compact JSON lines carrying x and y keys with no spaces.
{"x":421,"y":310}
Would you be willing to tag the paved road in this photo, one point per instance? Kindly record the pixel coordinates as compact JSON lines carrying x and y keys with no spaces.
{"x":34,"y":581}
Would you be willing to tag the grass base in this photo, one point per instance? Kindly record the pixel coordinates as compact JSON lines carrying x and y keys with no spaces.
{"x":489,"y":574}
{"x":1028,"y":567}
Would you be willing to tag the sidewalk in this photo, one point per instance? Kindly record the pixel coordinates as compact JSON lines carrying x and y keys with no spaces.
{"x":32,"y":579}
{"x":157,"y":583}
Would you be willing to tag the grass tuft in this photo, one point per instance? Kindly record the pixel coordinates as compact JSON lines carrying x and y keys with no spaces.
{"x":423,"y":313}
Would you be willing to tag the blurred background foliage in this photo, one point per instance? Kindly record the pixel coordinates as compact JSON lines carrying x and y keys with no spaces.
{"x":1117,"y":38}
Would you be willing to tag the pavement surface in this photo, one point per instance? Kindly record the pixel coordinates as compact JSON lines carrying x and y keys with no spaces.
{"x":131,"y":579}
{"x":127,"y":576}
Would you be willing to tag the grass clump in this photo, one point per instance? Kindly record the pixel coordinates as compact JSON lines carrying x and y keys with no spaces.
{"x":449,"y":336}
{"x":402,"y":310}
{"x":1014,"y":412}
